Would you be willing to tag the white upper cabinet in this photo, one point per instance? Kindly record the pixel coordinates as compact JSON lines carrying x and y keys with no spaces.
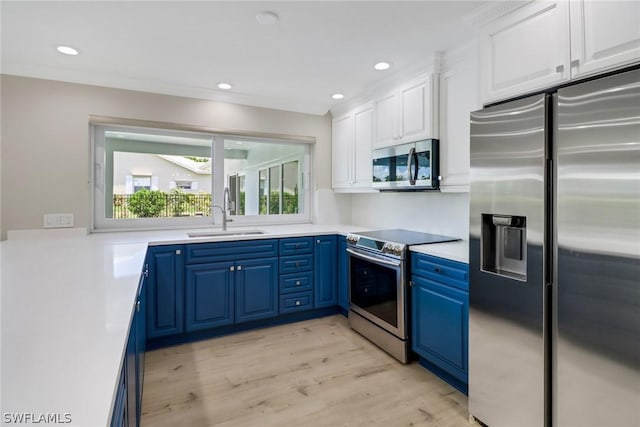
{"x":363,"y":139}
{"x":342,"y":146}
{"x":352,"y":137}
{"x":546,"y":43}
{"x":407,"y":114}
{"x":604,"y":35}
{"x":525,"y":50}
{"x":458,"y":98}
{"x":386,"y":120}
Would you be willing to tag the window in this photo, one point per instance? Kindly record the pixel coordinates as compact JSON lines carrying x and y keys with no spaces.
{"x":141,"y":183}
{"x":153,"y":178}
{"x":184,"y":185}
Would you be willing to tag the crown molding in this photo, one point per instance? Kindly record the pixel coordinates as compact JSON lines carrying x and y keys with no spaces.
{"x":492,"y":11}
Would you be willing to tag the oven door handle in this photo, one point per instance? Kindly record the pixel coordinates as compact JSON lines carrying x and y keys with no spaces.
{"x":373,"y":259}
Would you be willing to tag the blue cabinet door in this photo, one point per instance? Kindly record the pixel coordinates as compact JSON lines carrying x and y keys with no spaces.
{"x":165,"y":290}
{"x":141,"y":340}
{"x":343,"y":274}
{"x":325,"y":272}
{"x":256,"y":289}
{"x":439,"y":318}
{"x":131,"y":374}
{"x":209,"y":295}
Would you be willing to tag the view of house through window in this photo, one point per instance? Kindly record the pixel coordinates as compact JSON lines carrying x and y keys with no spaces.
{"x":144,"y":176}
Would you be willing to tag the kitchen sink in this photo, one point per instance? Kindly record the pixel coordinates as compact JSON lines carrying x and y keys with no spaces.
{"x":225,"y":233}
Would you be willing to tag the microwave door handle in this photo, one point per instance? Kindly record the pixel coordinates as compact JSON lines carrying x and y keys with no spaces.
{"x":412,"y":177}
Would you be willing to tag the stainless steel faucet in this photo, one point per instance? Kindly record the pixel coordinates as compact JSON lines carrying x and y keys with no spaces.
{"x":224,"y":208}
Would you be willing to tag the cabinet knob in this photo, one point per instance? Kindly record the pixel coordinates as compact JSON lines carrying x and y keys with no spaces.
{"x":297,"y":263}
{"x":178,"y":251}
{"x":297,"y":246}
{"x":412,"y":283}
{"x":318,"y":241}
{"x":239,"y":267}
{"x":138,"y":306}
{"x":438,"y":270}
{"x":298,"y":283}
{"x":297,"y":302}
{"x":232,"y":268}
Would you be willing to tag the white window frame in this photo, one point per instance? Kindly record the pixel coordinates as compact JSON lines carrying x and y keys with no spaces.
{"x":99,"y":222}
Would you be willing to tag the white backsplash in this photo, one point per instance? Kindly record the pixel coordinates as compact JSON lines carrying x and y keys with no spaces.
{"x":430,"y":212}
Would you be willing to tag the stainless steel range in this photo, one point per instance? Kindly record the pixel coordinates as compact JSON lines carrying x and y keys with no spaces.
{"x":378,"y":282}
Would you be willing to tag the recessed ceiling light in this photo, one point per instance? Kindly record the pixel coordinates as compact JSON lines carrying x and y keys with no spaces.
{"x":381,"y":66}
{"x":267,"y":17}
{"x":337,"y":96}
{"x":67,"y":50}
{"x":224,"y":86}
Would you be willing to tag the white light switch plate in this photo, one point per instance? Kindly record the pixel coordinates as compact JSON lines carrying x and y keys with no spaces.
{"x":63,"y":220}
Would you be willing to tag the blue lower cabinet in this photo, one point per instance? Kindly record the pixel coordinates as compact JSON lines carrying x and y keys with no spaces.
{"x":165,"y":291}
{"x":209,"y":295}
{"x":256,"y":289}
{"x":325,"y":271}
{"x":119,"y":415}
{"x":127,"y":408}
{"x":291,"y":303}
{"x":343,"y":274}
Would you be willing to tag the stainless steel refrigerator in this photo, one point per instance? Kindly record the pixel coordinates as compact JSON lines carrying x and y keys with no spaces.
{"x":554,"y":236}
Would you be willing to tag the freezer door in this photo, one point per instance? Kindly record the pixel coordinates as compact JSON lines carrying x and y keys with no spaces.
{"x":597,"y":316}
{"x":507,"y":363}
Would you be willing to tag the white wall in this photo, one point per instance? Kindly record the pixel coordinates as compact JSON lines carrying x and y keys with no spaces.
{"x":430,"y":212}
{"x":45,"y":140}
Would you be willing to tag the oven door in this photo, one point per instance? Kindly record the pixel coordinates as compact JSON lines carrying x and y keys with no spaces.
{"x":377,"y":290}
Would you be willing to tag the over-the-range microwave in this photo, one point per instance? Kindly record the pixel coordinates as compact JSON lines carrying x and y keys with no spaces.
{"x":407,"y":167}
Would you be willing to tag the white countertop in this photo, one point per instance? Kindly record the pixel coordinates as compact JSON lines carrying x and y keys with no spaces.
{"x":67,"y":303}
{"x":456,"y":251}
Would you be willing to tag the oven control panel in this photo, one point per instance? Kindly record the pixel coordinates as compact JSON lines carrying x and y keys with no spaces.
{"x":393,"y":248}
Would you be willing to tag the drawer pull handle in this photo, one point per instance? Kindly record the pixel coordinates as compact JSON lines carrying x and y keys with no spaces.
{"x":297,"y":302}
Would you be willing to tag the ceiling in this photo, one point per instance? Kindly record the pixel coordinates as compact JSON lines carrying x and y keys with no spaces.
{"x":183,"y":48}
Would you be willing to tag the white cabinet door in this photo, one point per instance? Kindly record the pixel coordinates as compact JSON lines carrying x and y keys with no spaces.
{"x":458,"y":98}
{"x":418,"y":110}
{"x":363,"y":139}
{"x":342,"y":148}
{"x":525,"y":51}
{"x":604,"y":35}
{"x":386,"y":120}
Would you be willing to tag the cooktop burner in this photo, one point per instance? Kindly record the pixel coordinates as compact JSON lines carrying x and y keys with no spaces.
{"x":406,"y":237}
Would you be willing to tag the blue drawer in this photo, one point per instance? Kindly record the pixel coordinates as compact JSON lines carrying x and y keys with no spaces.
{"x":296,"y":282}
{"x":452,"y":273}
{"x":301,"y":301}
{"x":296,"y":246}
{"x":295,"y":264}
{"x":231,"y":251}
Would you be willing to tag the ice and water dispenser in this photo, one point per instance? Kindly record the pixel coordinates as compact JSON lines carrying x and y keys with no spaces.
{"x":504,"y":245}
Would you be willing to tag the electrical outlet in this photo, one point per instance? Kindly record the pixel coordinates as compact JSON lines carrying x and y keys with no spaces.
{"x":63,"y":220}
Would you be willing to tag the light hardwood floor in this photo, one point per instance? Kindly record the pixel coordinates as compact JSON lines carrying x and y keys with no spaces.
{"x":313,"y":373}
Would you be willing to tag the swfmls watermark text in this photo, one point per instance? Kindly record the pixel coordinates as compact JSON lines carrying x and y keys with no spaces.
{"x":36,"y":417}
